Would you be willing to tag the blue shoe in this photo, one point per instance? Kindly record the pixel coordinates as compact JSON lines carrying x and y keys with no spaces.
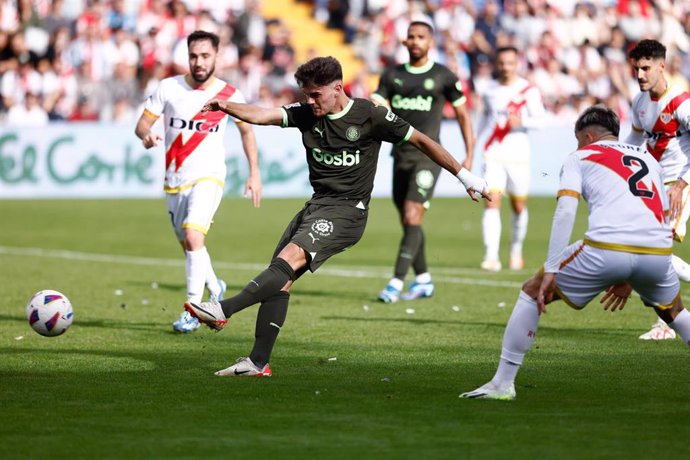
{"x":223,"y":287}
{"x":186,"y":323}
{"x":418,"y":291}
{"x":389,"y":294}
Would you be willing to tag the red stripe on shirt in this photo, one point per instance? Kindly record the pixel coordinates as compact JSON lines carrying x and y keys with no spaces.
{"x":180,"y":150}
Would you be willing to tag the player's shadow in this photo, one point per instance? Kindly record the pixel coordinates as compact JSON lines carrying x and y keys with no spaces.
{"x":618,"y":331}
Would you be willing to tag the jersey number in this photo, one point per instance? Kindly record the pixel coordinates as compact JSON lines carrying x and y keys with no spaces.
{"x":637,"y":177}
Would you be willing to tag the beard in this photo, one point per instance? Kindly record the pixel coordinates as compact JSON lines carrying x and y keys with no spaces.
{"x":205,"y":78}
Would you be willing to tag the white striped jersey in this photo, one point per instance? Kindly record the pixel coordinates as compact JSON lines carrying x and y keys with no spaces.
{"x":625,"y":195}
{"x":519,"y":97}
{"x":665,"y":123}
{"x":194,"y":141}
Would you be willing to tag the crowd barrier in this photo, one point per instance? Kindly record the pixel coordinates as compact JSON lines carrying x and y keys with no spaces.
{"x":85,"y":160}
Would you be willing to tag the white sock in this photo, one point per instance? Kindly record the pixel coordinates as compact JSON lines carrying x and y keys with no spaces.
{"x":519,"y":224}
{"x":681,"y":267}
{"x":196,"y":267}
{"x":517,"y":339}
{"x":491,"y":231}
{"x":682,"y":325}
{"x":211,"y":279}
{"x":397,"y":283}
{"x":423,"y":278}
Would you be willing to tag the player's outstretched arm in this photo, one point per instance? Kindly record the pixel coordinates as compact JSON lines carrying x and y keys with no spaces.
{"x":253,"y":184}
{"x":246,"y":112}
{"x":476,"y":186}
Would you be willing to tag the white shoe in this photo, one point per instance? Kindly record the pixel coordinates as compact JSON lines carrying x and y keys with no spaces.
{"x":516,"y":263}
{"x":491,"y":265}
{"x":245,"y":367}
{"x":659,"y":331}
{"x":491,"y":391}
{"x":210,"y":313}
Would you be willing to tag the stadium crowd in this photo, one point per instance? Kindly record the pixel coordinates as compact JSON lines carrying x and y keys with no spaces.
{"x":98,"y":59}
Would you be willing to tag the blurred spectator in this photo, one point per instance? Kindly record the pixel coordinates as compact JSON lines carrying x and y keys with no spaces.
{"x":575,"y":50}
{"x":250,"y":27}
{"x":16,"y":83}
{"x":28,"y":113}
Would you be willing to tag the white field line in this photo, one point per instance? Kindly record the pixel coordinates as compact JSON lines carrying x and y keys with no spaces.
{"x":443,"y":275}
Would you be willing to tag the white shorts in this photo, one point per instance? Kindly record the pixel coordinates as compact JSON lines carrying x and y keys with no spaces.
{"x":679,"y":225}
{"x":587,"y":271}
{"x":194,"y":207}
{"x":508,"y":176}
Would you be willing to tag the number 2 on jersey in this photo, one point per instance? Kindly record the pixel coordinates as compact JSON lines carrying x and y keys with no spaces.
{"x":635,"y":179}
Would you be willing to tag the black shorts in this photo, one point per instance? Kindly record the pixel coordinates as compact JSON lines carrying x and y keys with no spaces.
{"x":323,"y":231}
{"x":414,"y":181}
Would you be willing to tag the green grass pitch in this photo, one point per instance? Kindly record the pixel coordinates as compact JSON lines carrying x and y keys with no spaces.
{"x":353,"y":378}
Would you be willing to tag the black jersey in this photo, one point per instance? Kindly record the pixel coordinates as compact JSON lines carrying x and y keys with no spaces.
{"x":343,"y":149}
{"x":418,"y":94}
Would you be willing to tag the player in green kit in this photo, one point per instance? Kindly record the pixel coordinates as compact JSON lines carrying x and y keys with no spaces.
{"x":417,"y":92}
{"x":342,"y":138}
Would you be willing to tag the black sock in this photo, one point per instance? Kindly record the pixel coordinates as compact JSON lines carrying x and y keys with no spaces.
{"x":269,"y":320}
{"x":263,"y":286}
{"x":409,"y":246}
{"x":419,"y":262}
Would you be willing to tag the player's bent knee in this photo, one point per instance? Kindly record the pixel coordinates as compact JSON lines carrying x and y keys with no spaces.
{"x":531,"y":286}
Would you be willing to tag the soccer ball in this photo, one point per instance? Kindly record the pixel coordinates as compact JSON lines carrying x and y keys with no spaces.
{"x":49,"y":312}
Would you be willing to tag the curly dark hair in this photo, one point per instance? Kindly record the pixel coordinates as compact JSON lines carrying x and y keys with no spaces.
{"x":650,"y":49}
{"x":319,"y":71}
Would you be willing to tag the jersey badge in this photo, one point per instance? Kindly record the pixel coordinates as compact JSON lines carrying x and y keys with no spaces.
{"x":429,"y":84}
{"x":352,"y":133}
{"x":665,"y":117}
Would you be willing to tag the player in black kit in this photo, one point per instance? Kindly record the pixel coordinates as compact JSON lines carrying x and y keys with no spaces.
{"x":417,"y":92}
{"x":342,"y":138}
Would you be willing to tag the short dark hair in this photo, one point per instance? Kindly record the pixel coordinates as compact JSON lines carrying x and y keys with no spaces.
{"x":199,"y":35}
{"x":319,"y":71}
{"x":650,"y":49}
{"x":421,"y":22}
{"x":601,"y":116}
{"x":505,"y":49}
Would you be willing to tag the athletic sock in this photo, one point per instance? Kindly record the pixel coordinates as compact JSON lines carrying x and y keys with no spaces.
{"x":423,"y":278}
{"x":396,"y":283}
{"x":682,"y":268}
{"x":419,"y":262}
{"x":269,"y":321}
{"x":517,"y":339}
{"x":196,"y":267}
{"x":409,"y":245}
{"x":519,"y":231}
{"x":212,"y":280}
{"x":491,"y":231}
{"x":265,"y":285}
{"x":682,"y":325}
